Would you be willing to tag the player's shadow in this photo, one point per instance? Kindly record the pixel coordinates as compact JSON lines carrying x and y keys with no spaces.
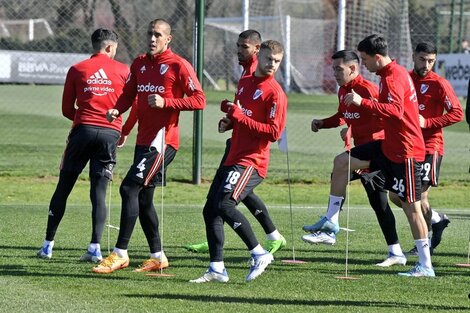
{"x":292,"y":302}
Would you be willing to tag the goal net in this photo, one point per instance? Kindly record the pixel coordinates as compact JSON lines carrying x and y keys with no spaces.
{"x":386,"y":18}
{"x":308,"y":30}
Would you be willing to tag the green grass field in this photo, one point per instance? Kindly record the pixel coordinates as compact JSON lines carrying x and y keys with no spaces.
{"x":33,"y":136}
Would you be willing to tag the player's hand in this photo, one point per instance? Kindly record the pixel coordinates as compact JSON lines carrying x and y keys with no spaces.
{"x":224,"y":124}
{"x":316,"y":125}
{"x":353,"y":98}
{"x":223,"y":106}
{"x":342,"y":133}
{"x":231,"y":105}
{"x":121,"y":141}
{"x":156,"y":101}
{"x":422,"y":121}
{"x":111,"y":115}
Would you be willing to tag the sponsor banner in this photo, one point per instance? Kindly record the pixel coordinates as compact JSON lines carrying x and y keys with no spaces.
{"x":456,"y":69}
{"x":36,"y":67}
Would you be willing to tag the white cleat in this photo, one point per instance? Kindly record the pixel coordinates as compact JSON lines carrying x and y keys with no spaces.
{"x":45,"y":252}
{"x":393,"y":259}
{"x":259,"y":262}
{"x":211,"y":275}
{"x":320,"y":237}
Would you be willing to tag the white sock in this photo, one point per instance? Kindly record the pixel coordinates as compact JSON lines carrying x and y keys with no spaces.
{"x":48,"y":243}
{"x":435,"y":218}
{"x":258,"y":250}
{"x":217,"y":266}
{"x":424,"y":254}
{"x":121,"y":252}
{"x":157,"y":255}
{"x":94,"y":247}
{"x":275,"y":235}
{"x":395,"y":249}
{"x":334,"y":206}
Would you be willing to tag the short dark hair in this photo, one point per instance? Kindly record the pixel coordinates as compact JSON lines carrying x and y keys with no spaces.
{"x":161,"y":21}
{"x":251,"y":34}
{"x":426,"y":47}
{"x":373,"y":44}
{"x":101,"y":37}
{"x":273,"y":45}
{"x":346,"y":55}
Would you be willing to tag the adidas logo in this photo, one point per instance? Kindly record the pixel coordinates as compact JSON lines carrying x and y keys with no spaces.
{"x":258,"y":212}
{"x":140,"y":175}
{"x":99,"y":77}
{"x":337,"y":203}
{"x":236,"y":225}
{"x":228,"y":187}
{"x":50,"y":213}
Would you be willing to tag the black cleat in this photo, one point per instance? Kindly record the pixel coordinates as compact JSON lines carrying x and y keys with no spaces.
{"x":438,"y":229}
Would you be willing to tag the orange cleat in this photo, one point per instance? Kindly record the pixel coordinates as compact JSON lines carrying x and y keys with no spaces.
{"x":153,"y":264}
{"x":112,"y":263}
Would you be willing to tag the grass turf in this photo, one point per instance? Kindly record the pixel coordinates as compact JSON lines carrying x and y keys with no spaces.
{"x":64,"y":284}
{"x":33,"y":135}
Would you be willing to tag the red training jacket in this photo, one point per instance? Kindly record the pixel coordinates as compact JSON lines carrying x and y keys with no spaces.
{"x":259,"y":122}
{"x":91,"y":88}
{"x":366,"y":126}
{"x":435,"y":95}
{"x":398,"y":106}
{"x":170,"y":76}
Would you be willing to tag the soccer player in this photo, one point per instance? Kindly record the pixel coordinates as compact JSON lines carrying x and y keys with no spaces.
{"x":258,"y":116}
{"x":91,"y":89}
{"x":439,"y":107}
{"x":248,"y":46}
{"x":398,"y":155}
{"x":365,"y":127}
{"x":160,"y":79}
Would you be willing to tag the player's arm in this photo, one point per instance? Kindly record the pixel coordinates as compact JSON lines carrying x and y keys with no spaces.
{"x":276,"y":118}
{"x":451,"y":105}
{"x":393,"y":108}
{"x":69,"y":96}
{"x":196,"y":99}
{"x":128,"y":125}
{"x":332,"y":121}
{"x":129,"y":93}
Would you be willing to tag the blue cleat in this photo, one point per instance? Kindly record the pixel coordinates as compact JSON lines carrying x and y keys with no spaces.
{"x":92,"y":256}
{"x":45,"y":252}
{"x":324,"y":225}
{"x":419,"y":271}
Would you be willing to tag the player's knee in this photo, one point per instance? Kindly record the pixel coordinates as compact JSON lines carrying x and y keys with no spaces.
{"x":128,"y":189}
{"x":225,"y":206}
{"x":340,"y":162}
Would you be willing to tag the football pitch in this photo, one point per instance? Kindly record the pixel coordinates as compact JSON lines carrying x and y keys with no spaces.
{"x":33,"y":135}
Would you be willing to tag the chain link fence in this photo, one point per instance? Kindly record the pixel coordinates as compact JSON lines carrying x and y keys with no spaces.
{"x":40,"y":39}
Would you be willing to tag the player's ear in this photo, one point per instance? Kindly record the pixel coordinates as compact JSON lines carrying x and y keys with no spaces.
{"x":257,"y":46}
{"x":352,"y":68}
{"x":169,"y":39}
